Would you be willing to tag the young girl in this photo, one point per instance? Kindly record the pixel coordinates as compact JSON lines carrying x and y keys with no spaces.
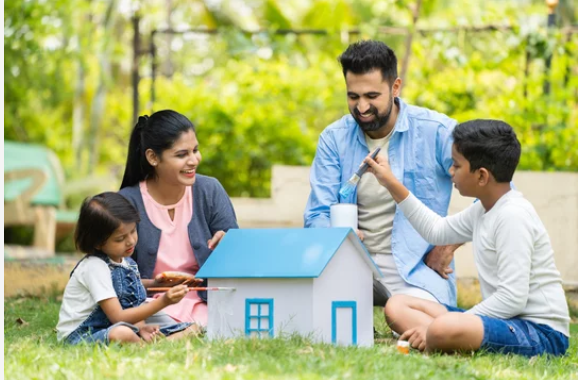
{"x":184,"y":215}
{"x":104,"y":298}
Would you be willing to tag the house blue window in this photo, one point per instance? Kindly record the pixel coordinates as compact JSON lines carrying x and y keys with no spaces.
{"x":259,"y":317}
{"x":344,"y":305}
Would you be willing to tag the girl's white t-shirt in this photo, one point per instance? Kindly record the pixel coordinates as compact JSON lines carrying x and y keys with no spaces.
{"x":90,"y":283}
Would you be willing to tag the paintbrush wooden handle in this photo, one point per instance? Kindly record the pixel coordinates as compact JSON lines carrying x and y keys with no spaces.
{"x":165,"y":289}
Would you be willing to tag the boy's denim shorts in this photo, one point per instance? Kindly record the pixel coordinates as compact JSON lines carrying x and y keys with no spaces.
{"x":518,"y":336}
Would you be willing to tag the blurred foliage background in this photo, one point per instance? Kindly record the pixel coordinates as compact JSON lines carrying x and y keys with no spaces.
{"x":262,"y":99}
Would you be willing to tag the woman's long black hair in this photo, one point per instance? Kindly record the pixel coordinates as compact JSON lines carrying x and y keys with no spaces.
{"x":157,"y":132}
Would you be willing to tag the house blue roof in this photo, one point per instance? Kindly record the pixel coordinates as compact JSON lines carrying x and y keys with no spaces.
{"x":279,"y":252}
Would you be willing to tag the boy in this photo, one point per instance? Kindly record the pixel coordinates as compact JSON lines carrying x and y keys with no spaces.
{"x":524,"y":308}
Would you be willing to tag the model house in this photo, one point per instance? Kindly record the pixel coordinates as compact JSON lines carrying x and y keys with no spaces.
{"x":314,"y":282}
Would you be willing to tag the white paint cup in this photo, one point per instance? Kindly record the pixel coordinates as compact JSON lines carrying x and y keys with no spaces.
{"x":344,"y":215}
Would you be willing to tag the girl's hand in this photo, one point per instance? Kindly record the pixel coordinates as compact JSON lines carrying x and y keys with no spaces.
{"x":175,"y":294}
{"x":215,"y":240}
{"x":381,"y":169}
{"x":149,"y":332}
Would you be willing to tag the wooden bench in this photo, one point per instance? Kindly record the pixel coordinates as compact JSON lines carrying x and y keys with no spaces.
{"x":35,"y":192}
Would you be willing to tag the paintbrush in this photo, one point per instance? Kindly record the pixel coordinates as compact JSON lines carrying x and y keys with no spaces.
{"x":211,"y":288}
{"x":349,"y":187}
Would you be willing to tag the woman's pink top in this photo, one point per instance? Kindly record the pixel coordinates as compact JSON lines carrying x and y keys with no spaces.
{"x":175,"y":252}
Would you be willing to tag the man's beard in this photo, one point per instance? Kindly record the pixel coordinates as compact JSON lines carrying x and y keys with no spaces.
{"x":378,"y":122}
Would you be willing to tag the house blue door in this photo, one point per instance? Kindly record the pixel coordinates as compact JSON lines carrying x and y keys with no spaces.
{"x":344,"y":324}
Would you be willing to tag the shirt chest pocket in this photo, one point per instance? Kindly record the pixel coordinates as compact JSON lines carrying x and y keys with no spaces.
{"x":423,"y":186}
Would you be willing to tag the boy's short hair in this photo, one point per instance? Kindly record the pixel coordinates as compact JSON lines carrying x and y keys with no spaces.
{"x":489,"y":144}
{"x":99,"y":217}
{"x":365,"y":56}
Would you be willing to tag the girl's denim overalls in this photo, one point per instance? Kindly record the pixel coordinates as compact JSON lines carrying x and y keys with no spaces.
{"x":130,"y":292}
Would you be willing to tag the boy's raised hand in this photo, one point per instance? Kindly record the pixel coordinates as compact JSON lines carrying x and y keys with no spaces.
{"x":175,"y":294}
{"x":380,"y":168}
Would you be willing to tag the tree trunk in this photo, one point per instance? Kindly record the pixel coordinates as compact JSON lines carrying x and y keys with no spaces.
{"x":84,"y":30}
{"x":78,"y":114}
{"x":167,"y":67}
{"x":98,"y":104}
{"x":409,"y":43}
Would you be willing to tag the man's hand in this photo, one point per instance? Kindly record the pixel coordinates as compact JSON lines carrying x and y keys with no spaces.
{"x":417,"y":337}
{"x":360,"y":235}
{"x":439,"y":259}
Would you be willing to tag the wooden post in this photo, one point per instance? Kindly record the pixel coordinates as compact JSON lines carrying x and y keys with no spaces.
{"x":552,"y":4}
{"x":45,"y":228}
{"x":527,"y":66}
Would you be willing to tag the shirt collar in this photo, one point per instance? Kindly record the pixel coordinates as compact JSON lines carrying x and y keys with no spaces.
{"x":402,"y":123}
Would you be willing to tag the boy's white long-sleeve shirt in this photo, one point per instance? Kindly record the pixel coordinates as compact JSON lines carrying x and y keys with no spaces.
{"x":513,"y":256}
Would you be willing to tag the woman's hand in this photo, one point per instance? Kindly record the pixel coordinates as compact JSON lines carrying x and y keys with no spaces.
{"x":175,"y":294}
{"x":215,"y":240}
{"x":165,"y":283}
{"x":172,"y":278}
{"x":161,"y":281}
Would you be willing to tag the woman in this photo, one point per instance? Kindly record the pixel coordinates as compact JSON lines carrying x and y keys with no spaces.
{"x":184,"y":215}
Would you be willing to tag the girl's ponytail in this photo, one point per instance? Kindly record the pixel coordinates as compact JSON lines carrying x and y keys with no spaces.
{"x":134,"y":172}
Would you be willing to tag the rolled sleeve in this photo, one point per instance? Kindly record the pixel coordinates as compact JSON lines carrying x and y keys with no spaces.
{"x":324,"y":183}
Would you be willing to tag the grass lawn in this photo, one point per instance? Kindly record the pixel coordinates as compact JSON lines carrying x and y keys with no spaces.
{"x":31,"y":352}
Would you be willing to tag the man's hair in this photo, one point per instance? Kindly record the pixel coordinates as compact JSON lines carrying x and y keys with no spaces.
{"x":489,"y":144}
{"x":365,"y":56}
{"x":99,"y":217}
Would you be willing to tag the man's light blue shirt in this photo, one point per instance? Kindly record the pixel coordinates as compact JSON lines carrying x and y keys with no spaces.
{"x":420,"y":157}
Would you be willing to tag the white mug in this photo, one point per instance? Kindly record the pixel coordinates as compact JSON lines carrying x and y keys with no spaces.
{"x":344,"y":215}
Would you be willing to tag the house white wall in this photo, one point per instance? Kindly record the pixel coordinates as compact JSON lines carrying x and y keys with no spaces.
{"x":347,"y":277}
{"x":292,"y":305}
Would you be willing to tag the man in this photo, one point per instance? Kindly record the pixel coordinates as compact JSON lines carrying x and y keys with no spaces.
{"x":418,"y":143}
